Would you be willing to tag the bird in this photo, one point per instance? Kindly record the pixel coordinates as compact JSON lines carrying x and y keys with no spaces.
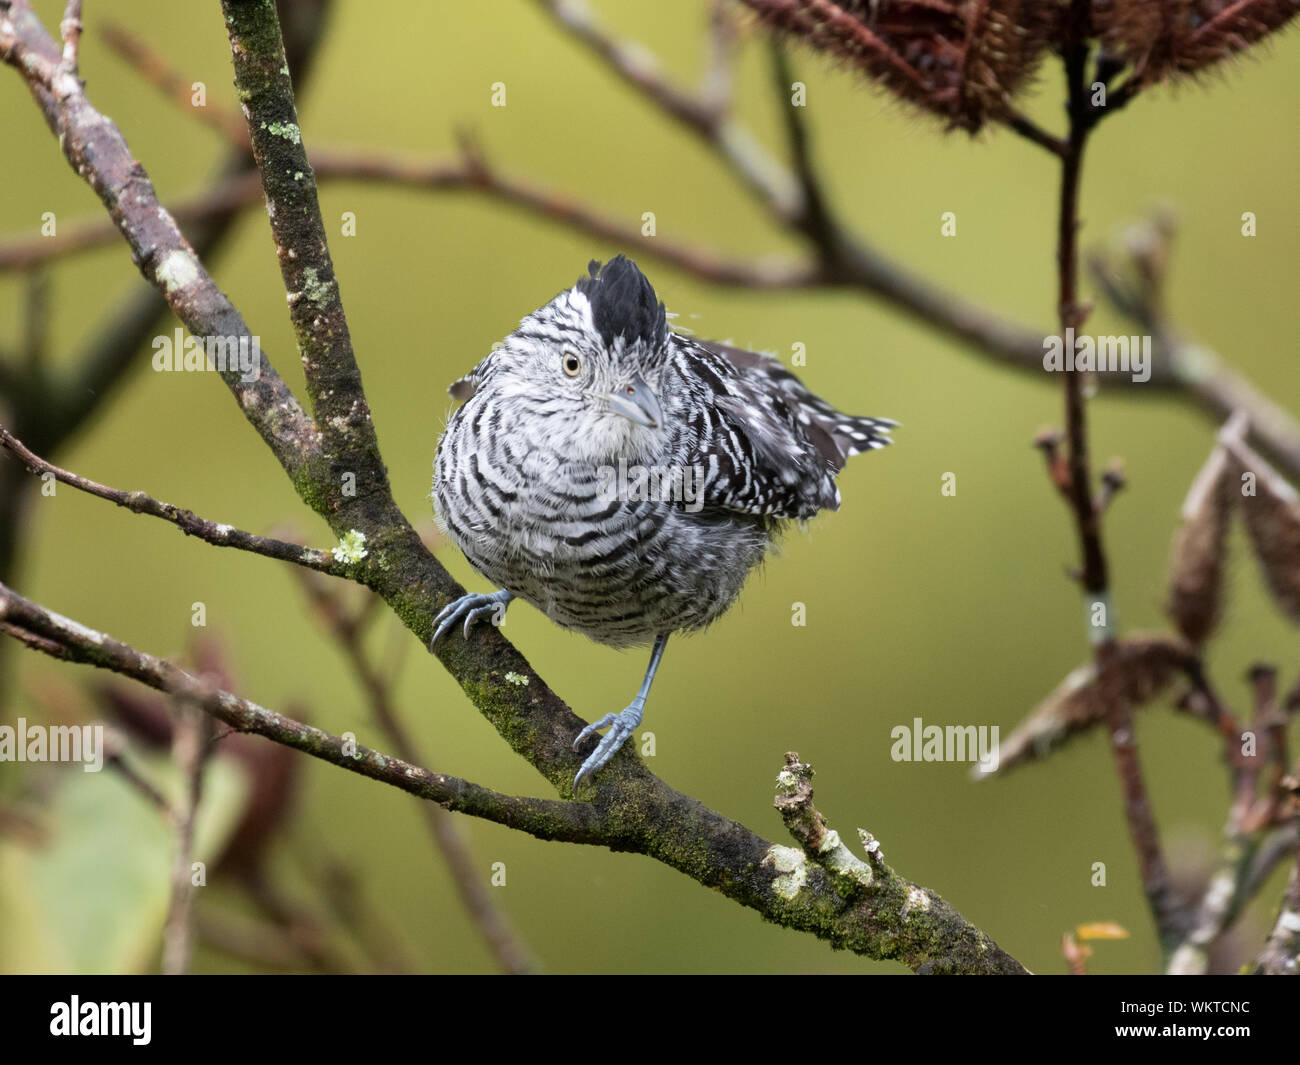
{"x":624,"y":477}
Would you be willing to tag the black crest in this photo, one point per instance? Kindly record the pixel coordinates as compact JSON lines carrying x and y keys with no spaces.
{"x":623,"y":302}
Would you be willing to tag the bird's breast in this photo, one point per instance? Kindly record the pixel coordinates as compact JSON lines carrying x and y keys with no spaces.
{"x":597,"y":547}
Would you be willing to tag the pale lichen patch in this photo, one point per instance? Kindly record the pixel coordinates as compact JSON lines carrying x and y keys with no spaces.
{"x":177,"y":271}
{"x":840,"y":860}
{"x":287,"y":130}
{"x":351,"y":547}
{"x":792,"y":864}
{"x":917,"y":899}
{"x":318,"y":292}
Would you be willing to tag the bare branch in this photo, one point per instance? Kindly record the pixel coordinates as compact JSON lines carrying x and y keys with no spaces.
{"x":1094,"y":573}
{"x":1132,"y":278}
{"x":115,"y":757}
{"x":511,"y":953}
{"x":1281,"y":954}
{"x":472,"y":173}
{"x":1229,"y":887}
{"x":898,"y":920}
{"x":186,"y":520}
{"x":189,"y":749}
{"x":1021,"y":124}
{"x":544,"y":818}
{"x":155,"y":69}
{"x":813,"y":214}
{"x":70,"y":31}
{"x":763,"y":177}
{"x":315,"y":306}
{"x":870,"y":883}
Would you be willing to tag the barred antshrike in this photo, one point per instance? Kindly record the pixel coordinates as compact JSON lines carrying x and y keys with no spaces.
{"x":624,"y":478}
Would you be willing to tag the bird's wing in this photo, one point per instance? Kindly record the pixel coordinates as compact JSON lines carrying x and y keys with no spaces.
{"x":746,"y":431}
{"x":463,"y":388}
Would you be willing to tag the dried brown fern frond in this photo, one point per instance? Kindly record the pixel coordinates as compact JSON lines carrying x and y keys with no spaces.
{"x":1196,"y":572}
{"x":1004,"y":44}
{"x":1161,"y":39}
{"x":1140,"y":668}
{"x":1272,"y":510}
{"x":962,"y":60}
{"x":965,"y":60}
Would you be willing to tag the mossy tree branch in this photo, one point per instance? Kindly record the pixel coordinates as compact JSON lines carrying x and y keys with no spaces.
{"x":819,"y":888}
{"x":543,"y":818}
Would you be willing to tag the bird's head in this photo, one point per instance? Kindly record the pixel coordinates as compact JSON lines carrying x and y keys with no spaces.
{"x":591,"y":364}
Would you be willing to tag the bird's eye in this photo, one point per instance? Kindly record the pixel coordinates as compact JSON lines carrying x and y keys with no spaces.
{"x":571,"y":363}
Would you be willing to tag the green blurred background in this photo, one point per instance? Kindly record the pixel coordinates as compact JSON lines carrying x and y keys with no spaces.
{"x":952,"y":609}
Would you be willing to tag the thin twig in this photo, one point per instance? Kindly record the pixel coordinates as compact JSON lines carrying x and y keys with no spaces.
{"x":50,"y":406}
{"x":305,"y":930}
{"x":156,"y":70}
{"x":261,"y":942}
{"x":189,"y":750}
{"x":1281,"y":954}
{"x":504,"y":942}
{"x":717,"y":85}
{"x":1094,"y":577}
{"x":437,"y":175}
{"x":117,"y":760}
{"x":1227,"y":891}
{"x":1117,"y":99}
{"x":186,"y":520}
{"x":348,"y":905}
{"x":70,"y":31}
{"x":1020,"y":123}
{"x":702,"y":114}
{"x":813,"y":216}
{"x":1278,"y":846}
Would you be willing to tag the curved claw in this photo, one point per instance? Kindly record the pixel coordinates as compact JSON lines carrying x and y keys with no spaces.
{"x":471,"y":607}
{"x":621,"y":726}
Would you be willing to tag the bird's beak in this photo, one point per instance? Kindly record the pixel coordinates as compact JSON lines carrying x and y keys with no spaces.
{"x":637,"y":403}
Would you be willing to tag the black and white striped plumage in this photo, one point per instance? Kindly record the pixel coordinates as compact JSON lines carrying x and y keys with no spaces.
{"x":596,"y":382}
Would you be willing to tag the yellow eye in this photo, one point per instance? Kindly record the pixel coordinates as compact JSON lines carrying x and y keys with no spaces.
{"x":572,"y":364}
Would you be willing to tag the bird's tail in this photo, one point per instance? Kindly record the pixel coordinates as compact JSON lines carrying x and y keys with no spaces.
{"x":851,"y":433}
{"x":836,"y":435}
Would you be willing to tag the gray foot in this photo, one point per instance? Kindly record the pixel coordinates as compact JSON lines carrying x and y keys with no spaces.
{"x":471,"y":607}
{"x":620,"y":725}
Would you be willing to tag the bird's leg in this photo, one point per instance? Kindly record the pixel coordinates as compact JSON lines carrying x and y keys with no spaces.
{"x":620,"y":725}
{"x":471,"y":607}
